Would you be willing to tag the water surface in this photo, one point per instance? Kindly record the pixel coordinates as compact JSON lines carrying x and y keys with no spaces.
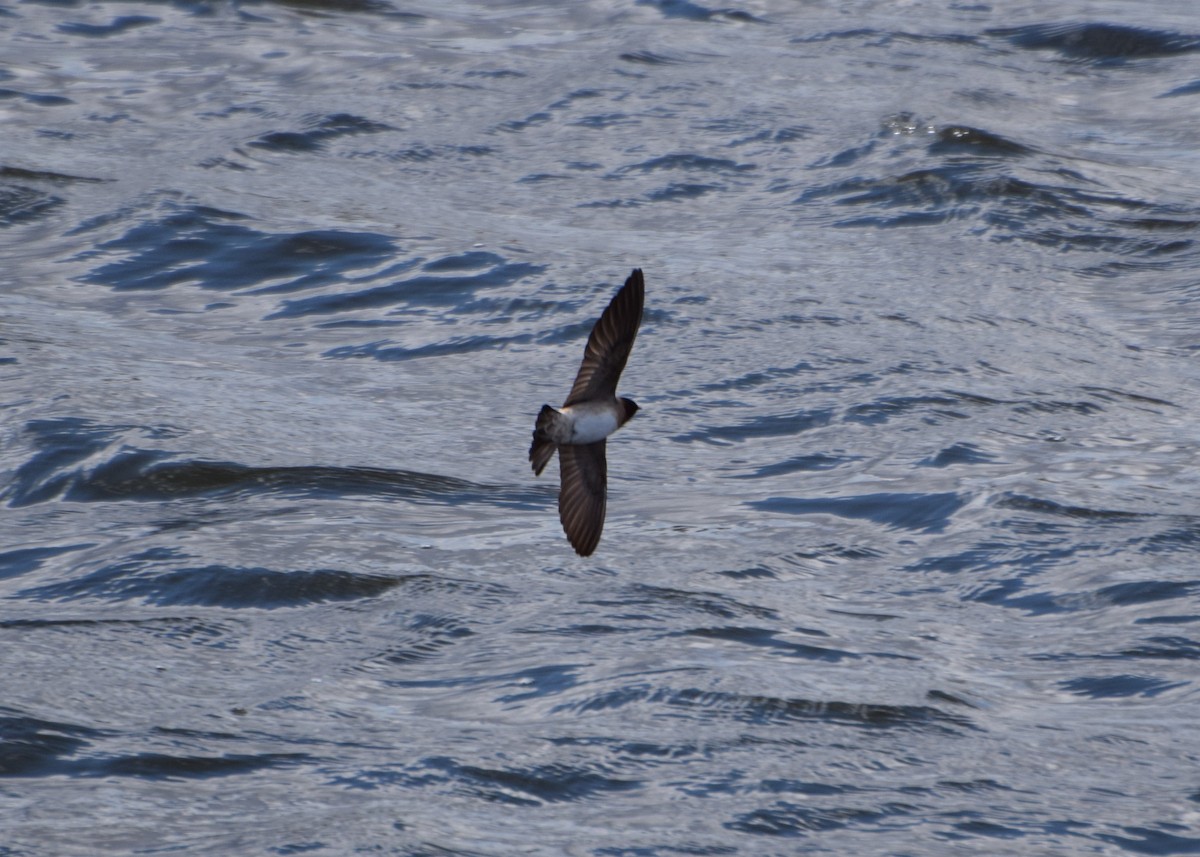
{"x":900,"y":555}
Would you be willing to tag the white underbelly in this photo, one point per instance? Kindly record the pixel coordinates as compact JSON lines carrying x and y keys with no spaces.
{"x":590,"y":426}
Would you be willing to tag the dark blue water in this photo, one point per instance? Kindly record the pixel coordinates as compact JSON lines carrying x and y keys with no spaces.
{"x":901,"y":552}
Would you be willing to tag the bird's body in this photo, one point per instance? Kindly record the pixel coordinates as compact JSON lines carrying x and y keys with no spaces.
{"x":586,"y":422}
{"x":580,"y":428}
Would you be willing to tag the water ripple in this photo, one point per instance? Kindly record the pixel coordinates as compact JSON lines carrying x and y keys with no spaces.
{"x":436,"y":291}
{"x":116,"y":27}
{"x":999,"y":187}
{"x":1099,"y":43}
{"x":156,"y":577}
{"x":213,"y":249}
{"x":926,"y":513}
{"x":118,"y":472}
{"x":322,"y":130}
{"x":528,"y":786}
{"x":765,"y":710}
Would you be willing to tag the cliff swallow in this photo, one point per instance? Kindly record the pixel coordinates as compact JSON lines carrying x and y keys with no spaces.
{"x":578,"y":430}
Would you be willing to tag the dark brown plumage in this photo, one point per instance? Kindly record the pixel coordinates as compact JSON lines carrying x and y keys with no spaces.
{"x":609,"y":345}
{"x":591,"y":412}
{"x":582,"y":494}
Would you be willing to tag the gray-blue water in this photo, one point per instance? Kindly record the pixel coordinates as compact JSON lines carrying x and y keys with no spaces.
{"x":901,"y":555}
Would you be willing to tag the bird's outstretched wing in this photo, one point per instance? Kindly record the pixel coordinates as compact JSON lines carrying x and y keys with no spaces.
{"x":581,"y":498}
{"x":610,"y":342}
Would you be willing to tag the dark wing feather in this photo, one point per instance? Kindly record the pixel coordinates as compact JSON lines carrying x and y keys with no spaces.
{"x":581,"y":499}
{"x":609,"y":345}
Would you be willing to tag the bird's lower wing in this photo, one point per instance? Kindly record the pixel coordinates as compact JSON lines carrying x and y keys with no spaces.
{"x":581,"y":498}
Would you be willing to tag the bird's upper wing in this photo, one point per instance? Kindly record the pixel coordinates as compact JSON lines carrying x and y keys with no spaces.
{"x":581,"y":498}
{"x":608,"y":346}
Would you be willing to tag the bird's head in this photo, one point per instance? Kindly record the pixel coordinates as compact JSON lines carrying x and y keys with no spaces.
{"x":630,"y":408}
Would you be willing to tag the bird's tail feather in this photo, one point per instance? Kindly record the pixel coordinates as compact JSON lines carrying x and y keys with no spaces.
{"x":543,"y":448}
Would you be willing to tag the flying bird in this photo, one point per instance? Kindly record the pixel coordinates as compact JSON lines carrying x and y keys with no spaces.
{"x":580,"y":428}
